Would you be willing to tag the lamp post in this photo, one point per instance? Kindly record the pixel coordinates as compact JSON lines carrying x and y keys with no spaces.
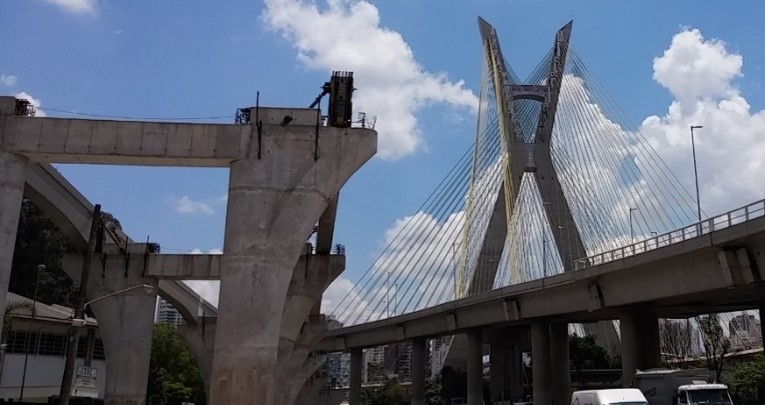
{"x":695,"y":170}
{"x":40,"y":269}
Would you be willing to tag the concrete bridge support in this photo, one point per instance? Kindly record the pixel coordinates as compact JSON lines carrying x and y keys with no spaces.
{"x":540,"y":363}
{"x":507,"y":363}
{"x":640,"y":342}
{"x":418,"y":372}
{"x":276,"y":195}
{"x":354,"y":391}
{"x":200,"y":337}
{"x":12,"y":168}
{"x":125,"y":320}
{"x":560,"y":364}
{"x":475,"y":367}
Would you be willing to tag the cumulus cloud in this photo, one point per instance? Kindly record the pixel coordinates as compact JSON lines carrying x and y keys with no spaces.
{"x":701,"y":75}
{"x":75,"y":6}
{"x":392,"y":85}
{"x":209,"y":290}
{"x":187,"y":205}
{"x":8,"y":80}
{"x":35,"y":102}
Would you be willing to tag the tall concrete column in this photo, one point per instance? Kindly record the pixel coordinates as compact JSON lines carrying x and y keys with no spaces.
{"x":125,"y":319}
{"x":276,"y":195}
{"x":475,"y":367}
{"x":12,"y":169}
{"x":499,"y":371}
{"x":560,"y":363}
{"x":418,"y":372}
{"x":640,"y":342}
{"x":354,"y":391}
{"x":540,"y":363}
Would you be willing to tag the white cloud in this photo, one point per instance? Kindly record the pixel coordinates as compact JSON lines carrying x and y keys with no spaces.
{"x":8,"y":80}
{"x":35,"y":102}
{"x":730,"y":148}
{"x":187,"y":205}
{"x":392,"y":85}
{"x":209,"y":290}
{"x":76,"y":6}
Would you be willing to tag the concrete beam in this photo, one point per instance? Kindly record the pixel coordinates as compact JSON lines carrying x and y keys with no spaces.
{"x":184,"y":266}
{"x":63,"y":140}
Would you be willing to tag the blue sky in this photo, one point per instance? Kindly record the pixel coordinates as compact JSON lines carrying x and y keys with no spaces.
{"x":194,"y":58}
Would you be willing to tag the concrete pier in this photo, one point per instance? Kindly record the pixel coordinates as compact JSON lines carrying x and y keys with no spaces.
{"x":125,"y":320}
{"x":540,"y":363}
{"x":506,"y":370}
{"x":354,"y":391}
{"x":273,"y":204}
{"x":560,"y":364}
{"x":12,"y":168}
{"x":475,"y":367}
{"x":640,"y":342}
{"x":418,"y":372}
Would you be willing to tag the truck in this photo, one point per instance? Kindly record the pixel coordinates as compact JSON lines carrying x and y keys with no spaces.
{"x":618,"y":396}
{"x":681,"y":387}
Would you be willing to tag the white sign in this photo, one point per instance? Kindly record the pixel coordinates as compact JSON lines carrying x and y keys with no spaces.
{"x":85,"y":383}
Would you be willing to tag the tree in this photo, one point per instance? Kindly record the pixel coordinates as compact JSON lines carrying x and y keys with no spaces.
{"x":676,"y":342}
{"x":433,"y":391}
{"x":39,"y":241}
{"x":585,"y":354}
{"x":173,"y":374}
{"x":390,"y":393}
{"x":716,"y":344}
{"x":747,"y":383}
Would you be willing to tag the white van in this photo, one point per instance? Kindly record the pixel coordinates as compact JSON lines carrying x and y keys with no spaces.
{"x":620,"y":396}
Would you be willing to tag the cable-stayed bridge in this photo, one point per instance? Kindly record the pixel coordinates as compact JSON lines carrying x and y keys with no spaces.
{"x":551,"y":212}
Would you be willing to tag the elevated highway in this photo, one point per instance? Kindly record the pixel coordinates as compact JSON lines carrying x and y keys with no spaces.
{"x":720,"y":270}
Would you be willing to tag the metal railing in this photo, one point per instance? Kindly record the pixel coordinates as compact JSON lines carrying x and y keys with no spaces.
{"x":722,"y":221}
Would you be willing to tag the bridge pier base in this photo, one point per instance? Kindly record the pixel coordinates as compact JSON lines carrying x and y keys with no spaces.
{"x":540,"y":363}
{"x":125,"y":320}
{"x":354,"y":391}
{"x":418,"y":372}
{"x":12,"y":177}
{"x":506,"y":368}
{"x":560,"y":364}
{"x":475,"y":367}
{"x":640,"y":342}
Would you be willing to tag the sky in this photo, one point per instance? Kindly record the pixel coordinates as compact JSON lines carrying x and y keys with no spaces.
{"x":418,"y":70}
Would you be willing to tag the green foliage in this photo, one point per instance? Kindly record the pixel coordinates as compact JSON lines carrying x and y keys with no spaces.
{"x":747,"y":382}
{"x":39,"y":241}
{"x":390,"y":393}
{"x":433,"y":391}
{"x":173,"y":375}
{"x":585,"y":354}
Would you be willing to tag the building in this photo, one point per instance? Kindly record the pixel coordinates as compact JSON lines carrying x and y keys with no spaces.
{"x":39,"y":339}
{"x":745,"y":332}
{"x":166,"y":313}
{"x":338,"y":370}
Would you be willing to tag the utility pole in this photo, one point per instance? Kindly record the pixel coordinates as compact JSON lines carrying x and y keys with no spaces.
{"x":79,"y":311}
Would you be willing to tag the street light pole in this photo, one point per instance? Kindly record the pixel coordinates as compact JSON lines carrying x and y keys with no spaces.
{"x":695,"y":170}
{"x":40,"y":269}
{"x":79,"y":311}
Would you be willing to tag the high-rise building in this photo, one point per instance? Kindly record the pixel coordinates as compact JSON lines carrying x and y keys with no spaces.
{"x":745,"y":332}
{"x":166,"y":313}
{"x":338,"y":370}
